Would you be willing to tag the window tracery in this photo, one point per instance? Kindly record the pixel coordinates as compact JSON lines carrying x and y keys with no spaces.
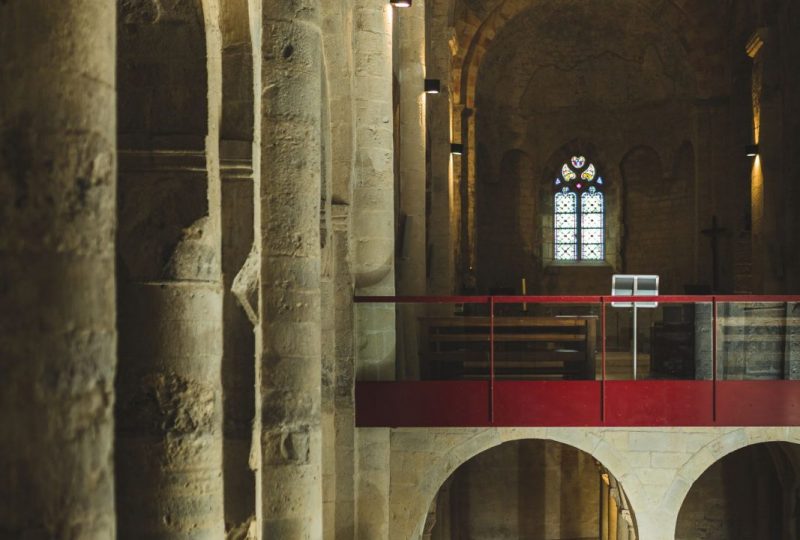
{"x":579,"y":212}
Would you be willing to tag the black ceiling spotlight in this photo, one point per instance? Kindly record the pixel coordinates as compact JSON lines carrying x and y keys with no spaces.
{"x":751,"y":150}
{"x":433,"y":86}
{"x":400,"y":3}
{"x":456,"y":149}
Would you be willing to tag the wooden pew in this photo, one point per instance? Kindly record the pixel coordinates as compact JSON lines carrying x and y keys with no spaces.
{"x":525,"y":347}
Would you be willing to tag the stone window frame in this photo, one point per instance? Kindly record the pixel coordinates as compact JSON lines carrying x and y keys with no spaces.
{"x":547,"y":217}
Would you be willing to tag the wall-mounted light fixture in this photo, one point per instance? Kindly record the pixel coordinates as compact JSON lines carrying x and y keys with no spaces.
{"x":400,"y":3}
{"x":433,"y":86}
{"x":751,"y":150}
{"x":456,"y":149}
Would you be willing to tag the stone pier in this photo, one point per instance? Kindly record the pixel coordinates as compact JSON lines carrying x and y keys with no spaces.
{"x":169,"y":452}
{"x":57,"y":292}
{"x":411,"y":275}
{"x":169,"y":411}
{"x":373,"y":250}
{"x":288,"y":366}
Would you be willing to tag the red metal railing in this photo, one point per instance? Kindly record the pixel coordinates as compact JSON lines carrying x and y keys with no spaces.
{"x":580,"y":402}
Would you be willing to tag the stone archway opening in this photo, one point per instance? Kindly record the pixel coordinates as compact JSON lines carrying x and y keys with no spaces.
{"x":533,"y":489}
{"x":749,"y":493}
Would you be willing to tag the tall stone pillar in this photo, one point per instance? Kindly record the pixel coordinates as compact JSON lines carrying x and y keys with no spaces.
{"x":169,"y":411}
{"x":344,"y":398}
{"x":440,"y":233}
{"x":373,"y":246}
{"x":373,"y":193}
{"x":169,"y":452}
{"x":411,"y":274}
{"x":57,"y":290}
{"x":288,"y":369}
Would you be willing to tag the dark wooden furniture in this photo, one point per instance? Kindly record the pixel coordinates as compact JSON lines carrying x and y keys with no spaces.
{"x":525,"y":347}
{"x":672,"y":346}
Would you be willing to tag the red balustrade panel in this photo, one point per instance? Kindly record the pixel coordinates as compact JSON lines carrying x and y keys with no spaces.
{"x":758,"y":403}
{"x":422,"y":404}
{"x":659,"y":403}
{"x":547,"y":403}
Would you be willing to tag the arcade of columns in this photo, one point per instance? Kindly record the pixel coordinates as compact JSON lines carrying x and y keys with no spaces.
{"x":191,"y":192}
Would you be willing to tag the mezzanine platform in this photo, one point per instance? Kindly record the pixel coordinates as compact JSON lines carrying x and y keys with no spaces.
{"x":736,"y":363}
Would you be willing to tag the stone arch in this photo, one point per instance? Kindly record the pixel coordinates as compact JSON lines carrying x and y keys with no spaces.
{"x":658,"y":216}
{"x":475,"y":36}
{"x":642,"y":172}
{"x":428,"y":480}
{"x":713,"y":452}
{"x":645,"y":157}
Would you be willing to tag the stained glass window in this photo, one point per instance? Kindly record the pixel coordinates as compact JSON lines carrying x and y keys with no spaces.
{"x":566,"y":231}
{"x":579,"y":229}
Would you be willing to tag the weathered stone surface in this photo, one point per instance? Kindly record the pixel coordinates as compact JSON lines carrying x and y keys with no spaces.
{"x":245,"y":286}
{"x":57,"y":225}
{"x":169,"y":440}
{"x":288,"y":371}
{"x":170,"y":433}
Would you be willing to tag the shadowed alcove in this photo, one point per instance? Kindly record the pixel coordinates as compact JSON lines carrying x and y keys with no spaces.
{"x":750,"y":493}
{"x":533,"y":489}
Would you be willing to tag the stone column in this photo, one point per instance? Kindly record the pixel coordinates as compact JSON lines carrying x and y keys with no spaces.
{"x":441,"y":234}
{"x":373,"y":236}
{"x":328,"y":390}
{"x":169,"y":452}
{"x":169,"y":428}
{"x":288,"y":369}
{"x":57,"y":291}
{"x":344,"y":398}
{"x":412,"y":280}
{"x":373,"y":194}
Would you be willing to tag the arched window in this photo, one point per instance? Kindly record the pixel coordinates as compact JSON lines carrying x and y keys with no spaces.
{"x":579,"y":209}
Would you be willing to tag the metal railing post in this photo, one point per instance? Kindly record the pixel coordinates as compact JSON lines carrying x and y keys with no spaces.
{"x":491,"y":359}
{"x":714,"y":358}
{"x":603,"y":359}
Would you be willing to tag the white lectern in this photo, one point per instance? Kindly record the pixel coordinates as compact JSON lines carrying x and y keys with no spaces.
{"x":634,"y":285}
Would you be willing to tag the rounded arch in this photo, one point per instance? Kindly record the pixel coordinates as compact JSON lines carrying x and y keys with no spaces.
{"x":427,"y":481}
{"x":714,"y":452}
{"x":480,"y":23}
{"x":642,"y":172}
{"x":657,"y":214}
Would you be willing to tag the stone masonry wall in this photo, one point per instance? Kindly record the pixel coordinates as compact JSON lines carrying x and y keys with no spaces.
{"x":656,"y":467}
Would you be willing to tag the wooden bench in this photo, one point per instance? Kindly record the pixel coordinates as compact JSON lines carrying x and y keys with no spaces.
{"x":525,"y":347}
